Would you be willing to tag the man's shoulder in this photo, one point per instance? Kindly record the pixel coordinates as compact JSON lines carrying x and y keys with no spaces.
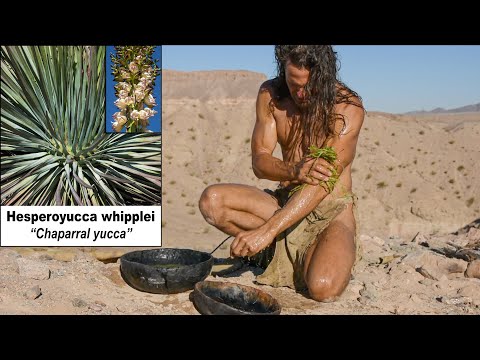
{"x":353,"y":113}
{"x":268,"y":87}
{"x":267,"y":96}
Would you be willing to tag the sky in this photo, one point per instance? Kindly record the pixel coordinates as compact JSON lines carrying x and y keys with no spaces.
{"x":389,"y":78}
{"x":155,"y":121}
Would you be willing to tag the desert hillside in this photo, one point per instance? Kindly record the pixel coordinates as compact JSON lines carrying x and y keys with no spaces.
{"x":411,"y":173}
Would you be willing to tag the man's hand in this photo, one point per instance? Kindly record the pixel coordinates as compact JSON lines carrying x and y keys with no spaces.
{"x":312,"y":171}
{"x":249,"y":243}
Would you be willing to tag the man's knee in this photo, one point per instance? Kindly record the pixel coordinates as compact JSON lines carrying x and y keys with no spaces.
{"x":211,"y":205}
{"x":324,"y":288}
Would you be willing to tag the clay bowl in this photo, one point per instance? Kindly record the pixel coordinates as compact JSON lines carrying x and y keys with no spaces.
{"x":223,"y":298}
{"x":165,"y":271}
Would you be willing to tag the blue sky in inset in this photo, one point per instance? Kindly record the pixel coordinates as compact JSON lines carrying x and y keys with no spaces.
{"x":390,"y":78}
{"x":155,"y":121}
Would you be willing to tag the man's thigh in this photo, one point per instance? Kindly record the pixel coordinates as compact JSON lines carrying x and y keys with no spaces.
{"x":245,"y":198}
{"x":333,"y":255}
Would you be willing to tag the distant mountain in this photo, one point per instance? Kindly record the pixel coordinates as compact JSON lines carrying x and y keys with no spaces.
{"x":468,"y":108}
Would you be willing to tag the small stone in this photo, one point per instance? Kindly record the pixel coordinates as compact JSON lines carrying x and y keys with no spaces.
{"x":101,"y":303}
{"x":378,"y":241}
{"x":33,"y":293}
{"x":59,"y":272}
{"x":33,"y":269}
{"x":456,"y":300}
{"x":473,"y":234}
{"x":472,"y":291}
{"x":121,"y":309}
{"x":368,"y":293}
{"x":473,"y":269}
{"x":415,"y":298}
{"x":44,"y":257}
{"x":95,"y":307}
{"x":427,"y":282}
{"x":420,"y":239}
{"x":429,"y":273}
{"x":79,"y":302}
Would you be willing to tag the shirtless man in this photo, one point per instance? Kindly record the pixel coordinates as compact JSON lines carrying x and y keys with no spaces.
{"x":305,"y":105}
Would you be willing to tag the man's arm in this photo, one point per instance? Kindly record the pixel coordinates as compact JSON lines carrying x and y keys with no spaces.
{"x":264,"y":140}
{"x":305,"y":201}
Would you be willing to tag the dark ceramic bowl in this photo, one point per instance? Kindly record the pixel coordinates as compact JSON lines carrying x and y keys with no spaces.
{"x":223,"y":298}
{"x":165,"y":271}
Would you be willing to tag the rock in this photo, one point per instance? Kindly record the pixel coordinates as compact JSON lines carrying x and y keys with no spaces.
{"x":64,"y":255}
{"x":368,"y":292}
{"x":109,"y":255}
{"x":353,"y":290}
{"x":456,"y":300}
{"x":79,"y":302}
{"x":423,"y":210}
{"x":9,"y":253}
{"x":45,"y":257}
{"x":443,"y":283}
{"x":386,"y":259}
{"x":415,"y":298}
{"x":84,"y":257}
{"x":378,"y":241}
{"x":473,"y":269}
{"x":429,"y":272}
{"x":472,"y":291}
{"x":59,"y":273}
{"x":365,"y":238}
{"x":8,"y":262}
{"x":122,"y":309}
{"x":95,"y":307}
{"x":40,"y":256}
{"x":101,"y":303}
{"x":466,"y":228}
{"x":434,"y":266}
{"x":33,"y":293}
{"x":427,"y":282}
{"x":420,"y":239}
{"x":33,"y":269}
{"x":473,"y":235}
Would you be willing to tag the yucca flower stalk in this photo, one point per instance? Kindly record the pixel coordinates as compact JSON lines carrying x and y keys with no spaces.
{"x":54,"y":150}
{"x":135,"y":72}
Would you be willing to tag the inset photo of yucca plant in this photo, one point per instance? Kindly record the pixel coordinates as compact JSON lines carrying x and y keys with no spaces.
{"x":133,"y":89}
{"x":54,"y":149}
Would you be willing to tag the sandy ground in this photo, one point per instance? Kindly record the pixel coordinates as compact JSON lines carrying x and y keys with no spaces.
{"x":416,"y":177}
{"x":395,"y":276}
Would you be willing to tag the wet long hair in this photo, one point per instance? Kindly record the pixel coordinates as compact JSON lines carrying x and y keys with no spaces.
{"x":323,"y":91}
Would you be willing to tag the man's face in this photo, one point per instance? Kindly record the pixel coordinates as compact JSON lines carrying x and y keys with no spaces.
{"x":297,"y":78}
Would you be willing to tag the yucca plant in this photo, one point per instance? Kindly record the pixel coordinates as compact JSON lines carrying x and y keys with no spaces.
{"x":54,"y":149}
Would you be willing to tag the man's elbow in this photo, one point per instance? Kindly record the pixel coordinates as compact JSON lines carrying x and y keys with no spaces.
{"x":258,"y":173}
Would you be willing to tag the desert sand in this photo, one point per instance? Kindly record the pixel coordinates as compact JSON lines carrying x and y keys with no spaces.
{"x":416,"y":177}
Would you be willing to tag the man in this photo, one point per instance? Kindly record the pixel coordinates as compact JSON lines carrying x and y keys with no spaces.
{"x":312,"y":232}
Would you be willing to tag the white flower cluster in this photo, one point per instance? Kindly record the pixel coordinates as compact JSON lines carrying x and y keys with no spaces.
{"x":135,"y":100}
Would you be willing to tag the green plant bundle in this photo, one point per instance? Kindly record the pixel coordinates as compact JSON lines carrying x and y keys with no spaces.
{"x":329,"y":154}
{"x":54,"y":149}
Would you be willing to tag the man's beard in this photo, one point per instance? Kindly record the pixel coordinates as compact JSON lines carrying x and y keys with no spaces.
{"x":302,"y":105}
